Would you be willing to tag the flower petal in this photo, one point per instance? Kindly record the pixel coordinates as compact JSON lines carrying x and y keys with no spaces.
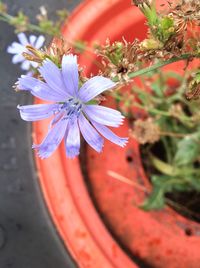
{"x":23,"y":39}
{"x":37,"y":111}
{"x":52,"y":75}
{"x":104,"y":115}
{"x":15,"y":48}
{"x":34,"y":64}
{"x":56,"y":118}
{"x":108,"y":134}
{"x":32,"y":39}
{"x":94,"y":86}
{"x":52,"y":140}
{"x":38,"y":88}
{"x":72,"y":142}
{"x":26,"y":65}
{"x":39,"y":42}
{"x":70,"y":74}
{"x":17,"y":58}
{"x":90,"y":134}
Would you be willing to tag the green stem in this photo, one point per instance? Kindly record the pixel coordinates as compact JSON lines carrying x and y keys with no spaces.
{"x":30,"y":27}
{"x":159,"y":112}
{"x":171,"y":170}
{"x":155,"y":66}
{"x":167,"y":149}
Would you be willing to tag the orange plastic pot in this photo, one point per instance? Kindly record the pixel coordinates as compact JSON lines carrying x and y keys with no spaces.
{"x":95,"y":215}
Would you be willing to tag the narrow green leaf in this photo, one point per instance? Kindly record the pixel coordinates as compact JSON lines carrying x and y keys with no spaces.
{"x":155,"y":200}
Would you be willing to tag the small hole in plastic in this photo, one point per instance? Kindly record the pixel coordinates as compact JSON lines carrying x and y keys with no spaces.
{"x":188,"y":232}
{"x":129,"y":159}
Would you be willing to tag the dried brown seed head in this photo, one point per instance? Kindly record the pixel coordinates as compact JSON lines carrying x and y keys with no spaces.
{"x":146,"y":131}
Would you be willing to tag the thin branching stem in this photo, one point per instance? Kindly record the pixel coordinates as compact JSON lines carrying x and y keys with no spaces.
{"x":156,"y":66}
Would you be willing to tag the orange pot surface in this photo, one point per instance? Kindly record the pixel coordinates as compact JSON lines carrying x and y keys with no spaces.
{"x":96,"y":225}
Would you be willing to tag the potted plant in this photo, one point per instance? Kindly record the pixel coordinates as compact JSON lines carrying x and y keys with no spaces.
{"x":103,"y":221}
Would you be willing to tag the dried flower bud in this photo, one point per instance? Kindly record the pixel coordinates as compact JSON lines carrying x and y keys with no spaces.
{"x":43,"y":14}
{"x":194,"y":87}
{"x":20,"y":22}
{"x":176,"y":110}
{"x":57,"y":49}
{"x":54,"y":52}
{"x":150,"y":44}
{"x":186,"y":11}
{"x":43,"y":11}
{"x":48,"y":26}
{"x":145,"y":131}
{"x":63,"y":14}
{"x":3,"y":7}
{"x":35,"y":54}
{"x":16,"y":86}
{"x":118,"y":58}
{"x":186,"y":16}
{"x":142,"y":3}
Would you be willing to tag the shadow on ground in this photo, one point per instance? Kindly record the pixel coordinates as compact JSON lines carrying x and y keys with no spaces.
{"x":27,"y":236}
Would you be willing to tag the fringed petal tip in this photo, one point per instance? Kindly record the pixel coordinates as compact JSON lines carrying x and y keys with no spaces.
{"x":109,"y":135}
{"x":15,"y":48}
{"x":39,"y":153}
{"x":70,"y":73}
{"x":20,"y":81}
{"x":51,"y":141}
{"x":70,"y":58}
{"x":37,"y":112}
{"x":40,"y":41}
{"x":72,"y":152}
{"x":22,"y":38}
{"x":35,"y":146}
{"x":16,"y":86}
{"x":123,"y":142}
{"x":99,"y":147}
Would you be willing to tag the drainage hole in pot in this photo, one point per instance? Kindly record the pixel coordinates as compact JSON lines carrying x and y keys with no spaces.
{"x":188,"y":232}
{"x":129,"y":158}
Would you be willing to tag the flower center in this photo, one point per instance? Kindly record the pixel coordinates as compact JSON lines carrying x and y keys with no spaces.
{"x":73,"y":107}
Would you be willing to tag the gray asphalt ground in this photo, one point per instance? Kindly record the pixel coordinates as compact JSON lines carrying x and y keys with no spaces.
{"x":27,"y":236}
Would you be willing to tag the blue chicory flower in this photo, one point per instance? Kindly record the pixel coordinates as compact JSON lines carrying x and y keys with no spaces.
{"x":71,"y":111}
{"x":18,"y":48}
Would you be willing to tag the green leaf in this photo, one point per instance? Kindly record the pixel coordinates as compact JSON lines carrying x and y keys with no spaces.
{"x":157,"y":89}
{"x":188,"y":150}
{"x":142,"y":95}
{"x":167,"y":23}
{"x":175,"y":75}
{"x":155,"y":200}
{"x":163,"y":167}
{"x":92,"y":102}
{"x":195,"y":182}
{"x":150,"y":13}
{"x":80,"y":46}
{"x":164,"y":184}
{"x":165,"y":29}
